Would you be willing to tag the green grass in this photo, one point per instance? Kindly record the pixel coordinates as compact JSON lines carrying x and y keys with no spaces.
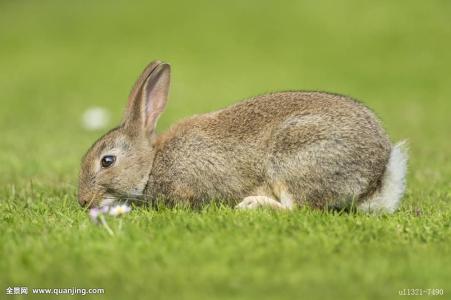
{"x":57,"y":59}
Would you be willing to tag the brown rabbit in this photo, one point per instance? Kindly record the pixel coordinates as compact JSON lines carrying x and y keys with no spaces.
{"x":278,"y":150}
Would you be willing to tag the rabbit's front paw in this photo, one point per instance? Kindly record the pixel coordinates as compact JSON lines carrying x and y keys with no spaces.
{"x":253,"y":202}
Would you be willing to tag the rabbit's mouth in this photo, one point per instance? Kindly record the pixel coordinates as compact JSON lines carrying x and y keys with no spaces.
{"x":110,"y":200}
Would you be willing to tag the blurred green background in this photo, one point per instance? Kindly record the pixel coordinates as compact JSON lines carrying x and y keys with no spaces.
{"x":59,"y":58}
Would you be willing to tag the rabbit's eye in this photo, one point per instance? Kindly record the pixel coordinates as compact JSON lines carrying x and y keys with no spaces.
{"x":107,"y":161}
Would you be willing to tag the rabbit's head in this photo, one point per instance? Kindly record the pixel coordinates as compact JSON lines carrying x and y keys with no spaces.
{"x":117,"y":166}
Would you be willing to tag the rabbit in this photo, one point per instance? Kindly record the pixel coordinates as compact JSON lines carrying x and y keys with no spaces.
{"x":279,"y":150}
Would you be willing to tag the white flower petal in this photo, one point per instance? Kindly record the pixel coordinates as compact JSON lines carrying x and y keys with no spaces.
{"x":119,"y":210}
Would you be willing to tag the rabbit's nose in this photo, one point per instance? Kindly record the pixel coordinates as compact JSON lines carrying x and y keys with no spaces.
{"x":87,"y":199}
{"x":82,"y":202}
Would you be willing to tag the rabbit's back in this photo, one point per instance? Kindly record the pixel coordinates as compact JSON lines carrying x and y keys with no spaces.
{"x":320,"y":147}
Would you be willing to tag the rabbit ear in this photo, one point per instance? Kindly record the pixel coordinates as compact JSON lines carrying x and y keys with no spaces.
{"x":148,"y":97}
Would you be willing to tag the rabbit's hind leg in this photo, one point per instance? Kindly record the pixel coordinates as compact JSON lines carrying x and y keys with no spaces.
{"x":253,"y":202}
{"x":274,"y":196}
{"x":279,"y":192}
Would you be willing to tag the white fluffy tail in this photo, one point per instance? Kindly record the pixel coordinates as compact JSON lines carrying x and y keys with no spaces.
{"x":387,"y":199}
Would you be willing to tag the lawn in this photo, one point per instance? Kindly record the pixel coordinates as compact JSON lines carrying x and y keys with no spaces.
{"x":59,"y":58}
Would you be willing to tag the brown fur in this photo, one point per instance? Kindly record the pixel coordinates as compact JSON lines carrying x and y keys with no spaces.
{"x":320,"y":148}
